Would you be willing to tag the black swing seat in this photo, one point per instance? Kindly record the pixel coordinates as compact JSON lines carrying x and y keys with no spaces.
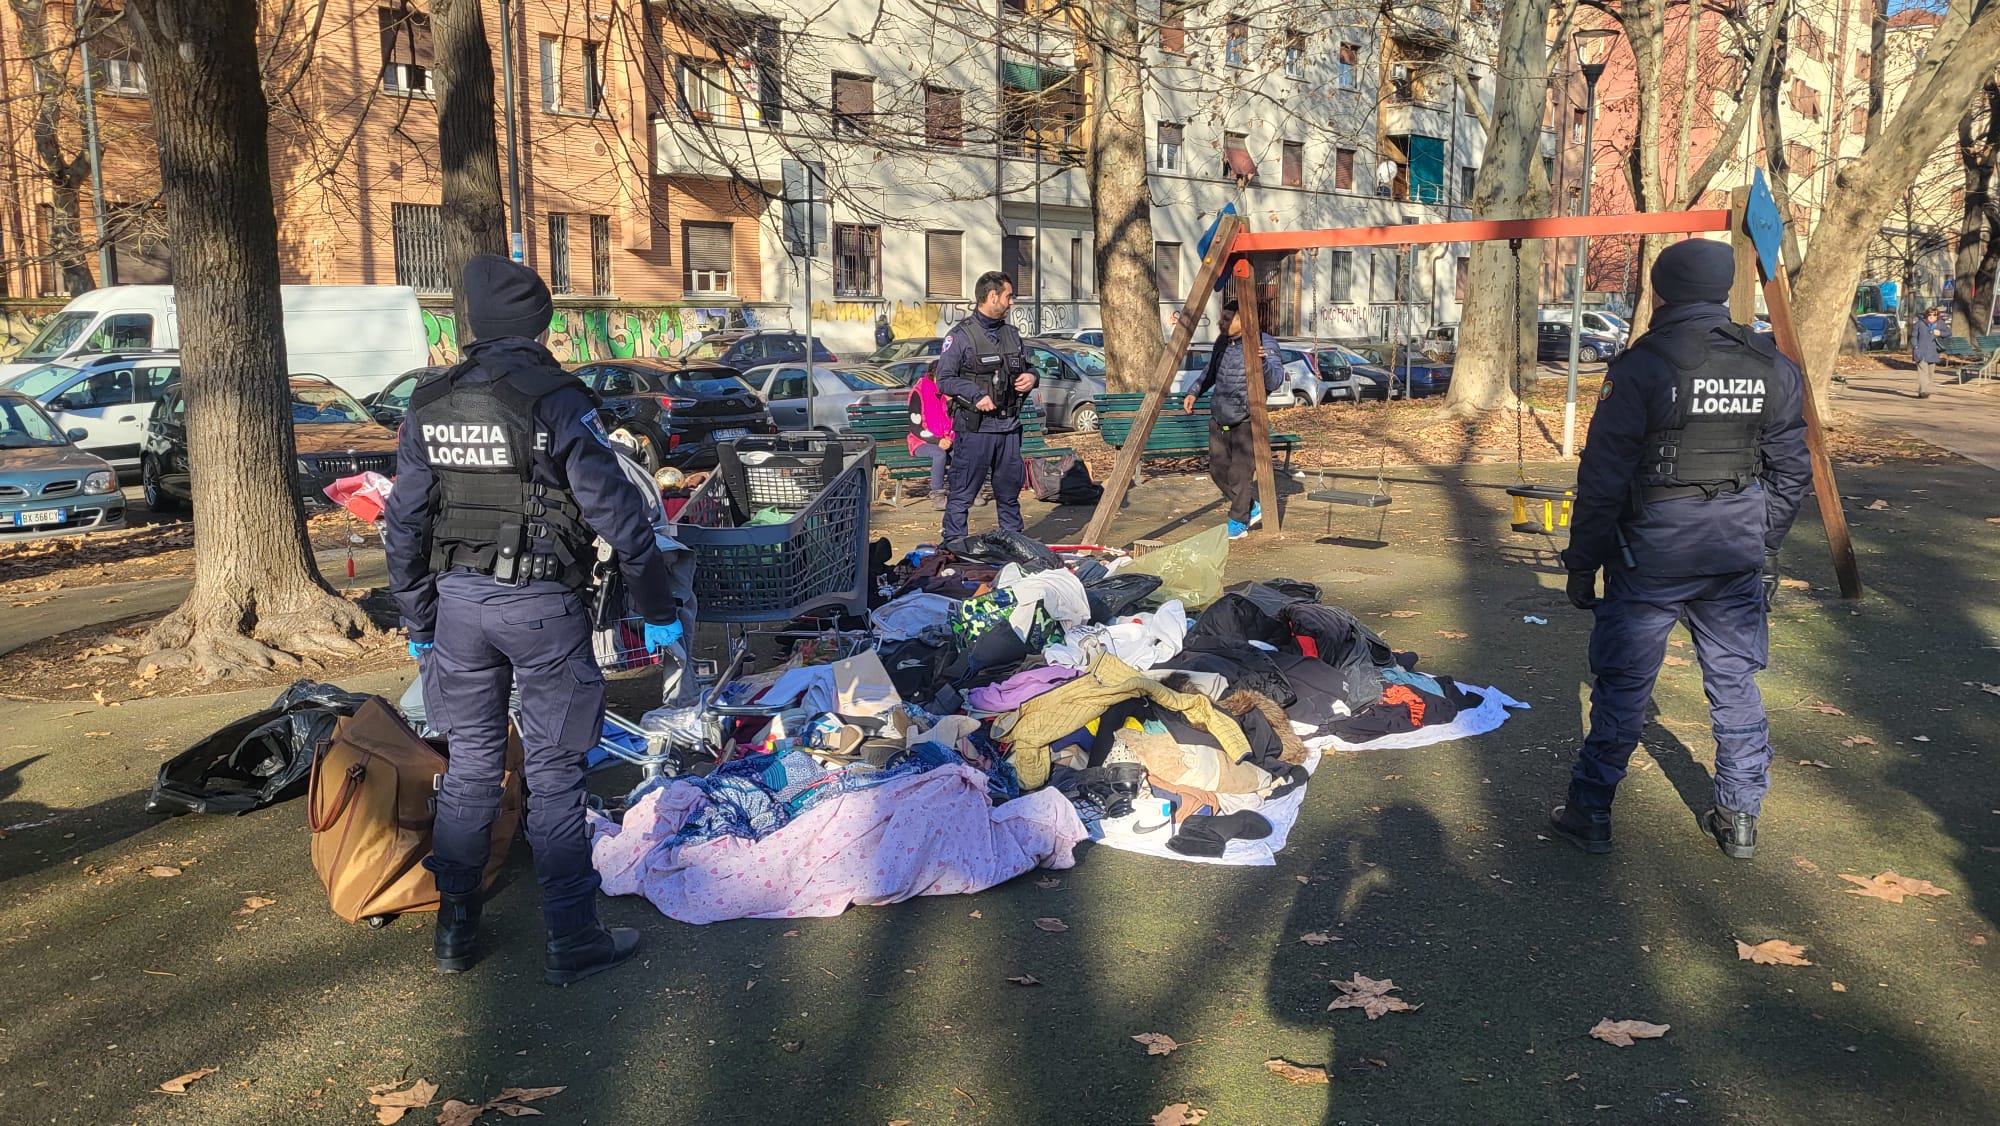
{"x":1349,"y":497}
{"x":1553,"y":499}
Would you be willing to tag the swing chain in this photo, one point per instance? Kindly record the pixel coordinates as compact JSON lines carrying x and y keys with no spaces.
{"x":1520,"y":433}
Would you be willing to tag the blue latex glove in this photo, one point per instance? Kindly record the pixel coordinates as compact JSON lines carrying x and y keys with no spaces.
{"x":658,"y":636}
{"x":418,"y":649}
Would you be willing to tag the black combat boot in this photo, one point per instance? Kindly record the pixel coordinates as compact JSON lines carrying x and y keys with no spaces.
{"x":594,"y":949}
{"x":457,"y":926}
{"x":1587,"y":829}
{"x":1735,"y":832}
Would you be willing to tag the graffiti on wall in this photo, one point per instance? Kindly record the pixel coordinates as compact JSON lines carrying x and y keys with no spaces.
{"x":20,"y":323}
{"x":611,"y":333}
{"x":907,"y":320}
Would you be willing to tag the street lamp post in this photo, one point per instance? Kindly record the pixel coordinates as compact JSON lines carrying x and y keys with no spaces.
{"x":1593,"y":48}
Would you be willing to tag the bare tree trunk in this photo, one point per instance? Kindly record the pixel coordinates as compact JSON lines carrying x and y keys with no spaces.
{"x":1645,"y":34}
{"x":1724,"y":148}
{"x":1956,"y":63}
{"x":258,"y":599}
{"x":1777,"y":170}
{"x":1878,"y":35}
{"x":1690,"y":81}
{"x":1978,"y":248}
{"x":1120,"y":198}
{"x":1510,"y":184}
{"x":475,"y":220}
{"x":65,"y":174}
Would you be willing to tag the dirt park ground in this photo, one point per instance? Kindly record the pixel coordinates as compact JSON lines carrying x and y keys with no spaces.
{"x":1428,"y":867}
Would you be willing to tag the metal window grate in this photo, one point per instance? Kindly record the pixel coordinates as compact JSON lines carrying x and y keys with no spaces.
{"x":419,"y":238}
{"x":600,"y":254}
{"x":558,"y":253}
{"x":857,"y":261}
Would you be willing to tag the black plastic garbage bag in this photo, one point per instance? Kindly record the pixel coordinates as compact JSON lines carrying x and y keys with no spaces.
{"x":1114,"y":596}
{"x":256,"y":761}
{"x":1002,"y":547}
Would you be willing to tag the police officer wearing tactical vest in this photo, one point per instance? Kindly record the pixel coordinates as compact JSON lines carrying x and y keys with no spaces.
{"x":505,"y":478}
{"x":983,"y":371}
{"x":1691,"y":476}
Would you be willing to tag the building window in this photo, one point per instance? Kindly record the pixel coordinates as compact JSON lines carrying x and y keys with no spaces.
{"x":558,"y":253}
{"x":1799,"y":158}
{"x":853,"y":103}
{"x":1858,"y":121}
{"x":139,"y":245}
{"x":593,"y":78}
{"x":1079,"y":271}
{"x":1167,"y":147}
{"x":1549,"y":169}
{"x":1862,"y":63}
{"x":1041,"y":110}
{"x":709,"y":253}
{"x":419,"y":240}
{"x":1173,"y":27}
{"x":115,"y":56}
{"x":406,"y":51}
{"x":1460,"y":276}
{"x":1236,"y":162}
{"x":857,"y":260}
{"x":704,"y":89}
{"x":551,"y":59}
{"x":1017,"y":261}
{"x":944,"y":117}
{"x":1350,"y":66}
{"x":1294,"y":171}
{"x":1340,"y":276}
{"x":944,"y":269}
{"x":1467,"y":177}
{"x":1805,"y":99}
{"x":1236,"y":43}
{"x":1167,"y":270}
{"x":1577,"y":118}
{"x":600,"y":255}
{"x":1343,"y":170}
{"x":1295,"y":53}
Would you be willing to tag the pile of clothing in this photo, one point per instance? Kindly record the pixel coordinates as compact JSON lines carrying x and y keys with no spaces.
{"x":1016,"y":703}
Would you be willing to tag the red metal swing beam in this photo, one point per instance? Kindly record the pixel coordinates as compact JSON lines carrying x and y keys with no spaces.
{"x":1488,"y":230}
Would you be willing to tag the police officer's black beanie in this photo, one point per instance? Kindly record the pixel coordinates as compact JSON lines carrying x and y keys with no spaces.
{"x":503,"y":298}
{"x":1695,"y":269}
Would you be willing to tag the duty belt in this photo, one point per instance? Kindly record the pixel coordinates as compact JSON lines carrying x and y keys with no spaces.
{"x":1653,"y":493}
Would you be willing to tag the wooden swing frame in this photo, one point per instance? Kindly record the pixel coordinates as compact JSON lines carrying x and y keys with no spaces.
{"x":1232,"y":241}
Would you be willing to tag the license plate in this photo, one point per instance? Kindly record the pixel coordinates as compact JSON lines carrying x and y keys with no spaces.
{"x":39,"y":518}
{"x":731,"y":434}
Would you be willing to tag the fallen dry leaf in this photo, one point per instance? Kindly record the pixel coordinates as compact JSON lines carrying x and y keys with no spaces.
{"x":161,"y":871}
{"x":1773,"y":952}
{"x":1891,"y":887}
{"x":1053,"y":926}
{"x":1877,"y":506}
{"x":793,"y":1046}
{"x":178,"y":1085}
{"x":95,"y":734}
{"x":1026,"y":979}
{"x":1827,"y":709}
{"x":902,"y":1122}
{"x":253,"y":904}
{"x":977,"y":915}
{"x":1370,"y":996}
{"x":1795,"y":584}
{"x":1993,"y":688}
{"x":391,"y":1104}
{"x":1402,"y":613}
{"x":1623,"y":1032}
{"x":1678,"y":662}
{"x":1839,"y":988}
{"x":1317,"y":938}
{"x":1294,"y":1074}
{"x":1823,"y":765}
{"x":1857,"y":741}
{"x":507,"y":1102}
{"x":455,"y":1113}
{"x":1049,"y":883}
{"x":1179,"y":1114}
{"x":1453,"y":634}
{"x":1157,"y":1043}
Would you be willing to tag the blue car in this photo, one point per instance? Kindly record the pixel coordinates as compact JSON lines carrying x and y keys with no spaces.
{"x":48,"y":487}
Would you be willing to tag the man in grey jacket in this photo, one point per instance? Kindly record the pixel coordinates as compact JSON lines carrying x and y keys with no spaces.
{"x":1232,"y":449}
{"x":1924,"y":349}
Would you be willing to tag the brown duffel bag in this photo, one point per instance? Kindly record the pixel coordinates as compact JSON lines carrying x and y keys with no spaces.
{"x":370,"y":803}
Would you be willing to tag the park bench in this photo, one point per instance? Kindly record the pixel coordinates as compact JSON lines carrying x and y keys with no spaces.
{"x":889,"y":426}
{"x":1174,"y":433}
{"x":1981,"y":352}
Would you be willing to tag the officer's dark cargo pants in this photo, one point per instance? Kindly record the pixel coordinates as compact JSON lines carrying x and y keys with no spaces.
{"x":975,"y":457}
{"x":488,"y":638}
{"x":1725,"y":613}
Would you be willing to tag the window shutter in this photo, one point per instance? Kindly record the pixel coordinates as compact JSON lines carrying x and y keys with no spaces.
{"x":1167,"y":269}
{"x":944,"y":274}
{"x":1170,"y":134}
{"x":710,"y":246}
{"x":1343,"y":168}
{"x":1017,"y":261}
{"x":1294,"y":164}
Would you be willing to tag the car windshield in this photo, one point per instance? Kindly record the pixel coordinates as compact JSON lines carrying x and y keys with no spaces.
{"x":328,"y":405}
{"x":866,"y":379}
{"x":66,"y":329}
{"x":1090,"y":360}
{"x":708,"y":348}
{"x":42,"y":380}
{"x":1350,"y":355}
{"x":710,"y":383}
{"x":24,"y":427}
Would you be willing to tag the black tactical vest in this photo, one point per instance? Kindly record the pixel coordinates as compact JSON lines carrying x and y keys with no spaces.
{"x":1723,"y":377}
{"x":487,"y":513}
{"x":993,"y":364}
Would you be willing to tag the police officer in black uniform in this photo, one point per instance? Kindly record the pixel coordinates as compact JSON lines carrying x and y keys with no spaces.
{"x":505,"y":477}
{"x":983,"y":370}
{"x":1691,"y":476}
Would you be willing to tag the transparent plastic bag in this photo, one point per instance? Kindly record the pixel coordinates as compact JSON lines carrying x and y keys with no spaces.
{"x":1190,"y":570}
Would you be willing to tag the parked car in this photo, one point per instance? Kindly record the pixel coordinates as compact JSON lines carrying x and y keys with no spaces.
{"x":673,"y":412}
{"x":49,"y":487}
{"x":1440,"y":342}
{"x":1070,"y":377}
{"x":1195,"y":361}
{"x":907,"y":372}
{"x":1371,"y":380}
{"x":1552,"y":343}
{"x":834,"y":390}
{"x":108,"y":397}
{"x":745,"y":350}
{"x":1091,"y":336}
{"x":391,"y":403}
{"x":333,"y":434}
{"x":1594,"y":321}
{"x":1333,"y":372}
{"x":908,"y":348}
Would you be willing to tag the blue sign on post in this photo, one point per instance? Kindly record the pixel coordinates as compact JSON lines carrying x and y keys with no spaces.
{"x":1764,"y":225}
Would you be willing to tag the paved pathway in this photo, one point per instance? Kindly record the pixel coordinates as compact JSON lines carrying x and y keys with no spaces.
{"x":1962,"y":418}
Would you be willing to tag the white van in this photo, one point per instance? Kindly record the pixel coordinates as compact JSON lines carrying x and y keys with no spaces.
{"x":359,"y":336}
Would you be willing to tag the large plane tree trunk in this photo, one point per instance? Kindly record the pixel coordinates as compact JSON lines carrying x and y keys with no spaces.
{"x":1120,"y":198}
{"x":1978,"y":256}
{"x":258,"y":599}
{"x":475,"y":220}
{"x":1645,"y":33}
